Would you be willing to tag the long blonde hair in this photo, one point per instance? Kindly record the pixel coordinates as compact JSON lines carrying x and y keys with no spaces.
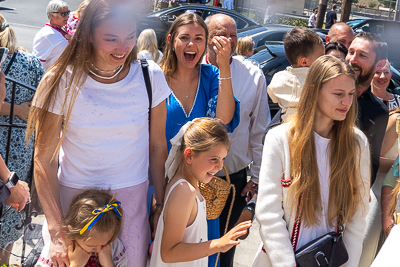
{"x":76,"y":57}
{"x":148,"y":41}
{"x":396,"y":189}
{"x":344,"y":150}
{"x":7,"y":35}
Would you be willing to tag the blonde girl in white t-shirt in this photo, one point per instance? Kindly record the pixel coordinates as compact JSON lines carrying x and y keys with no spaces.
{"x":147,"y":46}
{"x":198,"y":152}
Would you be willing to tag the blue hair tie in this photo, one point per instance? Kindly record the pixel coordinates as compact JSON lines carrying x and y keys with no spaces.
{"x":99,"y":213}
{"x":4,"y":26}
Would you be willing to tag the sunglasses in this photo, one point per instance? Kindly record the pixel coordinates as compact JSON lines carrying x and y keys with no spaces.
{"x":63,"y":14}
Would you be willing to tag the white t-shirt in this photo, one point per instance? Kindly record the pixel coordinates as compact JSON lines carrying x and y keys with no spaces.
{"x":48,"y":45}
{"x":321,"y":145}
{"x":106,"y":142}
{"x":147,"y":55}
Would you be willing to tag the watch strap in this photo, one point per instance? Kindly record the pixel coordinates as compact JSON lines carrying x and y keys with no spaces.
{"x":12,"y":180}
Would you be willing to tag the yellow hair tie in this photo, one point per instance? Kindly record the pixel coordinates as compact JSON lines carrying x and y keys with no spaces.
{"x":99,"y":213}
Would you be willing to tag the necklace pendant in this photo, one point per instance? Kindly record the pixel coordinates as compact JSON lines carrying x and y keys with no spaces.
{"x":187,"y":96}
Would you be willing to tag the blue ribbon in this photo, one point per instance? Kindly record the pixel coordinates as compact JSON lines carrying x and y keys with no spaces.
{"x":99,"y":213}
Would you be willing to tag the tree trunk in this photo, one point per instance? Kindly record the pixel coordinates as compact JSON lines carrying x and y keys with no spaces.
{"x":346,"y":9}
{"x":321,"y":13}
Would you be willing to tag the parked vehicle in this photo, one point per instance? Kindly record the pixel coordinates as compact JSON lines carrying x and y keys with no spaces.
{"x":272,"y":59}
{"x":160,"y":21}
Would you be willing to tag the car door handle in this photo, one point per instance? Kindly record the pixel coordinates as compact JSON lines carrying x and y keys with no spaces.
{"x":145,"y":24}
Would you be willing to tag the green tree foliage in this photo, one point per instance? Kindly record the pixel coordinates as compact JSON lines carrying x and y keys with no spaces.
{"x":387,"y":3}
{"x":371,"y":4}
{"x":354,"y":1}
{"x":292,"y":21}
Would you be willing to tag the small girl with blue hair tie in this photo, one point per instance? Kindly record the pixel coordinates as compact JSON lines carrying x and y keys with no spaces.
{"x":93,"y":223}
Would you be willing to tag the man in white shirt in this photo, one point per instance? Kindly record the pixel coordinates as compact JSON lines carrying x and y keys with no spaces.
{"x":51,"y":40}
{"x":249,"y":87}
{"x":313,"y":19}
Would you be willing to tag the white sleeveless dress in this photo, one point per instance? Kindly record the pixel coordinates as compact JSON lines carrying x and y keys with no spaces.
{"x":195,"y":233}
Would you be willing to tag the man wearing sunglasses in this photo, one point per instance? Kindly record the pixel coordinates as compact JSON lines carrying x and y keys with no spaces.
{"x":52,"y":39}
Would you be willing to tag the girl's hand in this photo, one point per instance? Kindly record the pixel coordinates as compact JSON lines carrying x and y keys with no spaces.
{"x":222,"y":48}
{"x":77,"y":256}
{"x":229,"y":240}
{"x":105,"y":256}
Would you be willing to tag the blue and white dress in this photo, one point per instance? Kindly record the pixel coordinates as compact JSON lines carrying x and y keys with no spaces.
{"x":204,"y":104}
{"x":28,"y":69}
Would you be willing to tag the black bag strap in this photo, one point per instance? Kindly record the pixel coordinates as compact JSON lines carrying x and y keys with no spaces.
{"x":11,"y":62}
{"x":145,"y":69}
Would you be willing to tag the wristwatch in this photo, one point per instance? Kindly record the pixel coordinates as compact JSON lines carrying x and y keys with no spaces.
{"x":12,"y":180}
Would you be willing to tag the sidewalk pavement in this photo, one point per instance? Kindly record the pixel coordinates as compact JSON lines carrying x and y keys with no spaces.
{"x":247,"y":248}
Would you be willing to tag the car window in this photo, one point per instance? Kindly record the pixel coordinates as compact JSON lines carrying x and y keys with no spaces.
{"x":173,"y":15}
{"x":362,"y":28}
{"x":240,"y":24}
{"x":377,"y":27}
{"x":278,"y":36}
{"x":207,"y":13}
{"x":391,"y":30}
{"x":353,"y":23}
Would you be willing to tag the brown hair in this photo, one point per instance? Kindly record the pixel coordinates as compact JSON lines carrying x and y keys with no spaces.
{"x":7,"y":36}
{"x":169,"y":60}
{"x":300,"y":42}
{"x":76,"y":57}
{"x":244,"y":45}
{"x":344,"y":150}
{"x":379,"y":45}
{"x":205,"y":133}
{"x":80,"y":214}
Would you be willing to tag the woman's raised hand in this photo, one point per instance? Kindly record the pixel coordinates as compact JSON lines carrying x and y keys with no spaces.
{"x":222,"y":48}
{"x":229,"y":240}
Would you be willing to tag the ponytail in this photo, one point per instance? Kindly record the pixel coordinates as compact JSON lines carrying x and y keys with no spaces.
{"x":7,"y":36}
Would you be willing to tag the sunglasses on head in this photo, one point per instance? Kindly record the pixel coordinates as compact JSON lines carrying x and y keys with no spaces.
{"x":63,"y":14}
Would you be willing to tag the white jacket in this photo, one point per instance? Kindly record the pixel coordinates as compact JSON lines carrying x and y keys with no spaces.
{"x":273,"y":209}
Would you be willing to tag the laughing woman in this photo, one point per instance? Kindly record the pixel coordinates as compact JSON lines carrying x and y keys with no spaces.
{"x":315,"y":167}
{"x":91,"y":115}
{"x":198,"y":90}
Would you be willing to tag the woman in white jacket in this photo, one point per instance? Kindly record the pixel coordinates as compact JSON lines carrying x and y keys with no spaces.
{"x":321,"y":158}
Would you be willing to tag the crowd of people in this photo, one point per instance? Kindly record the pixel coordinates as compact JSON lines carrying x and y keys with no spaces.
{"x":113,"y":115}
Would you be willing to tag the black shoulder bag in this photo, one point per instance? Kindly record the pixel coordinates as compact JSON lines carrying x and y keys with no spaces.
{"x":325,"y":251}
{"x":145,"y":69}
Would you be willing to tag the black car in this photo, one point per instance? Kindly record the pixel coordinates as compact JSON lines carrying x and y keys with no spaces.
{"x":160,"y":21}
{"x":272,"y":59}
